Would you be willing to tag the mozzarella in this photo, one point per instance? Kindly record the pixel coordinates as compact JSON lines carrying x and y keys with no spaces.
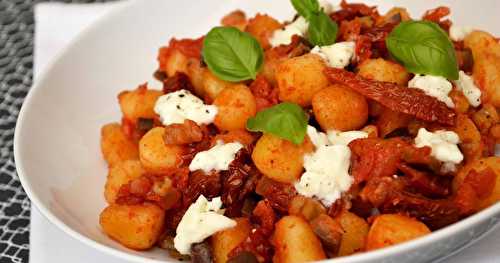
{"x":284,"y":36}
{"x":327,"y":174}
{"x":317,"y":138}
{"x":458,"y":33}
{"x":201,"y":220}
{"x":338,"y":55}
{"x":435,"y":86}
{"x":443,"y":144}
{"x":466,"y":84}
{"x":216,"y":158}
{"x":326,"y":6}
{"x":327,"y":169}
{"x":344,"y":138}
{"x":180,"y":105}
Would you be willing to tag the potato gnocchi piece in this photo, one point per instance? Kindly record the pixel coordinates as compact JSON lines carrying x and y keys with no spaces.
{"x":235,"y":105}
{"x":138,"y":103}
{"x":355,"y":232}
{"x":339,"y":108}
{"x":155,"y":155}
{"x":384,"y":70}
{"x":486,"y":69}
{"x":295,"y":241}
{"x":280,"y":159}
{"x":134,"y":226}
{"x":471,"y":143}
{"x":212,"y":86}
{"x":300,"y":78}
{"x":480,"y":165}
{"x":262,"y":28}
{"x":392,"y":229}
{"x":119,"y":175}
{"x":225,"y":241}
{"x":115,"y":145}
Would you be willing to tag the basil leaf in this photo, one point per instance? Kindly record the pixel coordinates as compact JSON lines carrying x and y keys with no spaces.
{"x":232,"y":55}
{"x":285,"y":120}
{"x":423,"y":48}
{"x":322,"y":30}
{"x":306,"y":8}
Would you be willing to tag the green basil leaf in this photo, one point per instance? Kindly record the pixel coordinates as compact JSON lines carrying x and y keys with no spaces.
{"x":285,"y":120}
{"x":232,"y":55}
{"x":423,"y":48}
{"x":322,"y":30}
{"x":306,"y":8}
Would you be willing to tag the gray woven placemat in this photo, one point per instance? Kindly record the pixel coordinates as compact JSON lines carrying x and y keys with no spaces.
{"x":16,"y":62}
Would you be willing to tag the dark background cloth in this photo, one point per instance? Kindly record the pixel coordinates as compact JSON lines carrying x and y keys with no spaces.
{"x":16,"y":74}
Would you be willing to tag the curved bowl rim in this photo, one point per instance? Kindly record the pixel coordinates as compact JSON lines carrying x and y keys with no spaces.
{"x":37,"y":87}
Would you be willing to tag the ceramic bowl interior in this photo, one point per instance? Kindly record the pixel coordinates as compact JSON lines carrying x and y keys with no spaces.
{"x":57,"y":138}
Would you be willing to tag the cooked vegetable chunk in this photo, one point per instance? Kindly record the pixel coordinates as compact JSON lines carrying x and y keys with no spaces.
{"x":115,"y":145}
{"x":134,"y":226}
{"x":294,"y":241}
{"x":391,"y":229}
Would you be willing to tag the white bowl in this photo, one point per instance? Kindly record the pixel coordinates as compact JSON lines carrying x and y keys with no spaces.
{"x":57,"y":135}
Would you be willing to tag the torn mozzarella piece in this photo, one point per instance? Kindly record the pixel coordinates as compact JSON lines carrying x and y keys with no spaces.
{"x":202,"y":219}
{"x":435,"y":86}
{"x":458,"y":33}
{"x":344,"y":138}
{"x":338,"y":55}
{"x":444,"y":145}
{"x":466,"y":84}
{"x":327,"y":174}
{"x":284,"y":36}
{"x":180,"y":105}
{"x":327,"y":169}
{"x":216,"y":158}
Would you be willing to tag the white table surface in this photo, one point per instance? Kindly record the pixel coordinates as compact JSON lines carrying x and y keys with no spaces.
{"x":56,"y":25}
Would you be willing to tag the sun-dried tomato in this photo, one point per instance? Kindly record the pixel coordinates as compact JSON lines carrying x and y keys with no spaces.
{"x":238,"y":182}
{"x":278,"y":194}
{"x":374,"y":157}
{"x":258,"y":240}
{"x":434,"y":213}
{"x":185,"y":133}
{"x":353,"y":10}
{"x":436,"y":15}
{"x":425,"y":183}
{"x":397,"y":98}
{"x":200,"y":183}
{"x":265,"y":94}
{"x":177,"y":82}
{"x":209,"y":132}
{"x":349,"y":30}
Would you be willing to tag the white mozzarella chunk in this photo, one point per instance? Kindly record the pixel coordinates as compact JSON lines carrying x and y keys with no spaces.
{"x":458,"y":33}
{"x":435,"y":86}
{"x":444,"y":145}
{"x":338,"y":55}
{"x":284,"y":36}
{"x":180,"y":105}
{"x":327,"y":174}
{"x":466,"y":84}
{"x":201,"y":220}
{"x":216,"y":158}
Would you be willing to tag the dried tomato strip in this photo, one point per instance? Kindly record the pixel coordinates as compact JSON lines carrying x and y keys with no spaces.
{"x":397,"y":98}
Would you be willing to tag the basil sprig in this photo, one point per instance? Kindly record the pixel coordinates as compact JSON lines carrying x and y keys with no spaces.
{"x":232,"y":55}
{"x":322,"y":30}
{"x":285,"y":120}
{"x":423,"y":48}
{"x":306,"y":8}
